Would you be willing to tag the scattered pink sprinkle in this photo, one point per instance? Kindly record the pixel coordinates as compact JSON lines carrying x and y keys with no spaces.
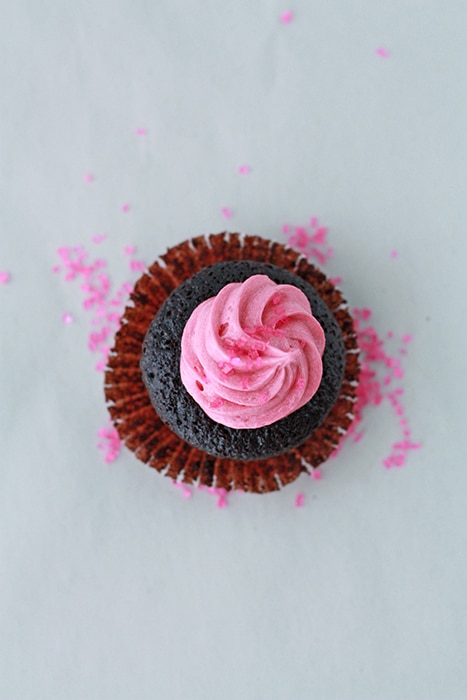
{"x":316,"y":475}
{"x":286,"y":17}
{"x":129,"y":249}
{"x":67,"y":318}
{"x":394,"y":253}
{"x":109,"y":442}
{"x":186,"y":491}
{"x":137,"y":265}
{"x":311,"y":241}
{"x":381,"y":51}
{"x":336,"y":280}
{"x":104,"y":306}
{"x":320,"y":235}
{"x":99,"y":237}
{"x":220,"y":493}
{"x":4,"y":277}
{"x":88,"y":177}
{"x":125,"y":207}
{"x":299,"y":500}
{"x":376,"y":383}
{"x":244,"y":170}
{"x":227,"y":213}
{"x":141,"y":131}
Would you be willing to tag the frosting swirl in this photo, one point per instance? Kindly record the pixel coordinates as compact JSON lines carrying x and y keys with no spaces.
{"x":251,"y":355}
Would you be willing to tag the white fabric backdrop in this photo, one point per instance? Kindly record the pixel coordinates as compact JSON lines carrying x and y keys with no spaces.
{"x":113,"y":586}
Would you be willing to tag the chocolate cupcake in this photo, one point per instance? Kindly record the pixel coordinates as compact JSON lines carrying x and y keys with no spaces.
{"x":244,"y":410}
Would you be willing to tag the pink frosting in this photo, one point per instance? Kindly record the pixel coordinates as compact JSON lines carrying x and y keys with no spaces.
{"x":252,"y":354}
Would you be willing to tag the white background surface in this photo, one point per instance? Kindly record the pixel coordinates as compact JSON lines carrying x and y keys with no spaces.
{"x":113,"y":586}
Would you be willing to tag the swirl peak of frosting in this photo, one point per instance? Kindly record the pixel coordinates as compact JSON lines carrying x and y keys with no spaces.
{"x":251,"y":355}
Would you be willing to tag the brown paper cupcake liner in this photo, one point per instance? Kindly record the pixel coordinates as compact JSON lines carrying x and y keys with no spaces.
{"x":133,"y":415}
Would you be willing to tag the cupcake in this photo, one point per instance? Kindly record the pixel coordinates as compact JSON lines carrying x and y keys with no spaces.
{"x":235,"y":366}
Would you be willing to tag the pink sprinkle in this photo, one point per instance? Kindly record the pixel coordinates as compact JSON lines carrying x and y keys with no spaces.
{"x":4,"y":277}
{"x":125,"y":207}
{"x":320,"y":236}
{"x":88,"y":177}
{"x":227,"y":213}
{"x":219,"y":492}
{"x":244,"y":169}
{"x":137,"y":265}
{"x":316,"y":475}
{"x":299,"y":500}
{"x":407,"y":338}
{"x":285,"y":228}
{"x":216,"y":402}
{"x":141,"y":131}
{"x":186,"y":492}
{"x":99,"y":237}
{"x":129,"y":249}
{"x":381,"y":51}
{"x":394,"y":254}
{"x":109,"y":443}
{"x":313,"y":222}
{"x":286,"y":17}
{"x":336,"y":280}
{"x":67,"y":318}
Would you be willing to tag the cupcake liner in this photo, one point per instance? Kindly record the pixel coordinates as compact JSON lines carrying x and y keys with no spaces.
{"x":138,"y":425}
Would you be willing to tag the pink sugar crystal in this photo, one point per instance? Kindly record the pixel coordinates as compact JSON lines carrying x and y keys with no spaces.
{"x":286,"y":17}
{"x":67,"y":318}
{"x":221,"y":494}
{"x":125,"y":207}
{"x":382,"y":52}
{"x":244,"y":169}
{"x":186,"y":491}
{"x":4,"y":277}
{"x":99,"y":237}
{"x":299,"y":500}
{"x":109,"y":443}
{"x":312,"y":241}
{"x":88,"y":177}
{"x":141,"y":131}
{"x":226,"y":212}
